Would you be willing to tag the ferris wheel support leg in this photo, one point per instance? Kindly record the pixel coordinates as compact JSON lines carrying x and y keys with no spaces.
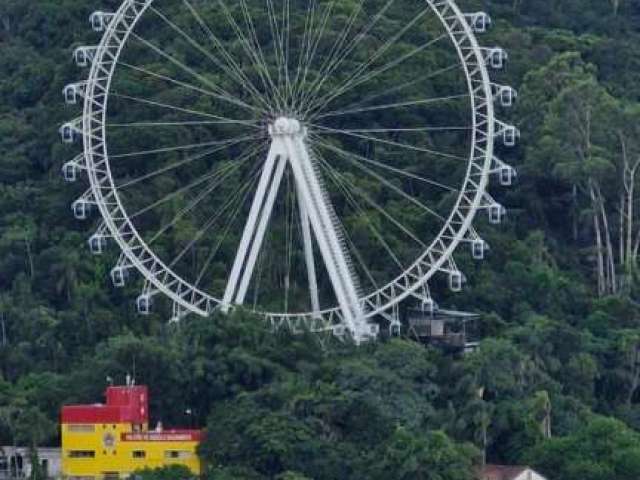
{"x":335,"y":259}
{"x":308,"y":256}
{"x":281,"y":163}
{"x":258,"y":215}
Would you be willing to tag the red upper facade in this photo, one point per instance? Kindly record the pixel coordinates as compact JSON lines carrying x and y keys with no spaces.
{"x":124,"y":405}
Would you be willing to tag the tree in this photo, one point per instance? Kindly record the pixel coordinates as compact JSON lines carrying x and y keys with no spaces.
{"x":580,"y":126}
{"x":602,"y":449}
{"x":433,"y":456}
{"x":173,"y":472}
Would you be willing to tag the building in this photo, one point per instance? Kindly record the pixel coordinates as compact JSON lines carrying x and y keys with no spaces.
{"x":509,"y":472}
{"x":15,"y":462}
{"x":449,"y":330}
{"x":112,"y":440}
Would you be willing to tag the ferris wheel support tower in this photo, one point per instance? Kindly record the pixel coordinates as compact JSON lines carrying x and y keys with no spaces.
{"x":288,"y":148}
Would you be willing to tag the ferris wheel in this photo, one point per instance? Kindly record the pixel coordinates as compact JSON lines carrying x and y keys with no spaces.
{"x":317,"y":162}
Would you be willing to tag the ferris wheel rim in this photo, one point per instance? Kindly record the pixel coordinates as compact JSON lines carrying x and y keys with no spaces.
{"x":200,"y":302}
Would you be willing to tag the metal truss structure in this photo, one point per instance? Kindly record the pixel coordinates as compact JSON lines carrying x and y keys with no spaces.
{"x":285,"y":107}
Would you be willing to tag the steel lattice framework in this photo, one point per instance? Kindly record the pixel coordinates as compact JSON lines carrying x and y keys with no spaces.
{"x":354,"y":311}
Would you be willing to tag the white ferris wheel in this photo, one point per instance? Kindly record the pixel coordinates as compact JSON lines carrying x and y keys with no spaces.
{"x":315,"y":161}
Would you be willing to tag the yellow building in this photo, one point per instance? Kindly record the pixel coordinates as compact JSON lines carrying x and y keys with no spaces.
{"x":112,"y":440}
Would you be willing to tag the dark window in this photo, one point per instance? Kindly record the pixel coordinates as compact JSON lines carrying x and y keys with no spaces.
{"x":175,"y":454}
{"x":82,"y":454}
{"x":139,"y":454}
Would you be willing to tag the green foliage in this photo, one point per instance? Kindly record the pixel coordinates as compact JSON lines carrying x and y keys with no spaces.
{"x":174,"y":472}
{"x":290,"y":408}
{"x":601,"y":449}
{"x":429,"y":457}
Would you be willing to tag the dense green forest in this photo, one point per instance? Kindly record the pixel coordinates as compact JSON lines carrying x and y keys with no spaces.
{"x":554,"y":384}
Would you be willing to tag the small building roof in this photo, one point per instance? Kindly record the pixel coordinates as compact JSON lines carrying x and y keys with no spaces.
{"x":507,"y":472}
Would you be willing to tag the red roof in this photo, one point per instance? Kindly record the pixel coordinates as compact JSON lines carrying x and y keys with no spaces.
{"x":124,"y":405}
{"x":502,"y":472}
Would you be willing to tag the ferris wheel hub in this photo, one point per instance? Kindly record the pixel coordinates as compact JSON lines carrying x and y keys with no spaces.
{"x":286,"y":126}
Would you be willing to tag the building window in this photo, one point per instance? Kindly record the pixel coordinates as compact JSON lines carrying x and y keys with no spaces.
{"x":81,"y":428}
{"x":82,"y":454}
{"x":177,"y":454}
{"x":139,"y":454}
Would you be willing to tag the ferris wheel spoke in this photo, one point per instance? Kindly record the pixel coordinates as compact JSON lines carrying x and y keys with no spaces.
{"x":177,"y":148}
{"x":363,"y":265}
{"x":276,"y":35}
{"x":384,"y":166}
{"x":231,"y":220}
{"x":367,"y":198}
{"x":165,"y":124}
{"x":173,"y":166}
{"x":388,"y":142}
{"x":249,"y":50}
{"x":173,"y":81}
{"x":306,"y":235}
{"x":146,"y":101}
{"x":225,"y":233}
{"x":386,"y":182}
{"x":387,"y":92}
{"x":311,"y":52}
{"x":354,"y":250}
{"x":377,"y":54}
{"x":211,"y":222}
{"x":211,"y":176}
{"x":406,"y":130}
{"x":232,"y":66}
{"x":360,"y":77}
{"x":253,"y":48}
{"x":216,"y":182}
{"x":191,"y":205}
{"x":330,"y":57}
{"x":198,"y":181}
{"x":242,"y":81}
{"x":305,"y":50}
{"x":360,"y":210}
{"x":286,"y":40}
{"x":221,"y":93}
{"x":332,"y":64}
{"x":374,"y":108}
{"x":289,"y":225}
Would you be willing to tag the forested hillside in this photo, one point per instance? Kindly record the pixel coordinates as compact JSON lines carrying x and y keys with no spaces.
{"x":555,"y":382}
